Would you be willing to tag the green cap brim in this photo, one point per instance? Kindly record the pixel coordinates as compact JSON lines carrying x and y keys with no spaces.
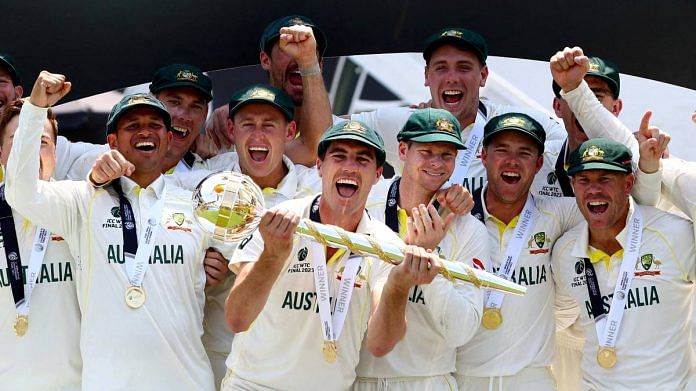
{"x":184,"y":83}
{"x":597,"y":166}
{"x":288,"y":115}
{"x":165,"y":114}
{"x":438,"y":137}
{"x":379,"y":152}
{"x":531,"y":135}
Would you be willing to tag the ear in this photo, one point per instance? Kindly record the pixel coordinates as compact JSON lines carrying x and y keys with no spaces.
{"x":265,"y":60}
{"x":380,"y":169}
{"x":403,"y":150}
{"x":484,"y":75}
{"x":630,"y":181}
{"x":539,"y":163}
{"x":112,"y":139}
{"x":425,"y":75}
{"x":230,"y":127}
{"x":290,"y":130}
{"x":319,"y":162}
{"x":557,"y":106}
{"x":616,"y":107}
{"x":484,"y":156}
{"x":18,"y":91}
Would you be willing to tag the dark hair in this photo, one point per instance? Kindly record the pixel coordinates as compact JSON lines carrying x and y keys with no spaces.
{"x":12,"y":110}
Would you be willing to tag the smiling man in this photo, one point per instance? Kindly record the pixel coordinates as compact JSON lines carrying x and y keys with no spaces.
{"x":514,"y":346}
{"x":631,"y":280}
{"x":279,"y":280}
{"x":185,"y":92}
{"x":139,"y":282}
{"x":455,"y":70}
{"x":35,"y":312}
{"x":441,"y":316}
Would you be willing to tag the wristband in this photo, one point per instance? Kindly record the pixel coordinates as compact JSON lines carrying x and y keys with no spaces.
{"x":311,"y":71}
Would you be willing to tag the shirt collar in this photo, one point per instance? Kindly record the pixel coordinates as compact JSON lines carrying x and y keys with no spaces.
{"x":582,"y":247}
{"x":130,"y":187}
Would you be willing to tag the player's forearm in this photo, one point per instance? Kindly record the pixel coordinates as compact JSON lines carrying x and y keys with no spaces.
{"x":22,"y":171}
{"x":647,"y":187}
{"x":314,"y":117}
{"x":387,"y":325}
{"x":250,"y":292}
{"x":596,"y":120}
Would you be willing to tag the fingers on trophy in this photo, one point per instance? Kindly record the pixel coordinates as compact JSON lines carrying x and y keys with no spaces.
{"x":229,"y":205}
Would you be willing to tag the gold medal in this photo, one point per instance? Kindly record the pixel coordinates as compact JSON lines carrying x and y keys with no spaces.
{"x":492,"y":318}
{"x":606,"y":357}
{"x":330,"y":351}
{"x":21,"y":325}
{"x":135,"y":297}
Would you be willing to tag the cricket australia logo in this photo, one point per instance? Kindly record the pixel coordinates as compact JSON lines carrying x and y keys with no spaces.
{"x":647,"y":265}
{"x":539,"y":239}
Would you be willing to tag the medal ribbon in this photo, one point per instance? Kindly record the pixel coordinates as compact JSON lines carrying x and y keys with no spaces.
{"x":562,"y":174}
{"x":494,"y":299}
{"x":136,"y":257}
{"x":466,"y":156}
{"x":391,"y":217}
{"x":331,"y":326}
{"x":607,"y":327}
{"x":21,"y":297}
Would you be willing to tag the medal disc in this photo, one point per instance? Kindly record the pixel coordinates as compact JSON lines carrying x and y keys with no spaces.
{"x":330,"y":351}
{"x":606,"y":357}
{"x":135,"y":297}
{"x":492,"y":318}
{"x":21,"y":325}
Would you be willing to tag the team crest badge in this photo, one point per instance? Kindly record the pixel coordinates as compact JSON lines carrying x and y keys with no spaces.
{"x":137,"y":100}
{"x":354,"y":126}
{"x":646,"y":261}
{"x":262,"y":93}
{"x":593,"y":153}
{"x":540,"y":239}
{"x":186,"y":74}
{"x":444,"y":125}
{"x":178,"y":218}
{"x":513,"y":121}
{"x":116,"y":211}
{"x":594,"y":67}
{"x":452,"y":33}
{"x":647,"y":265}
{"x":302,"y":254}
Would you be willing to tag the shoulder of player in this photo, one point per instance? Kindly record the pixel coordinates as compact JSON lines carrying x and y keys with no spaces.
{"x":668,"y":224}
{"x":223,"y":161}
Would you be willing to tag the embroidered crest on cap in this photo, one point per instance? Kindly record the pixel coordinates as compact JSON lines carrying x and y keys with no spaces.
{"x":593,"y":153}
{"x":445,"y":125}
{"x":138,"y":99}
{"x":354,"y":126}
{"x":261,"y":93}
{"x":594,"y":67}
{"x":513,"y":121}
{"x":186,"y":74}
{"x":452,"y":33}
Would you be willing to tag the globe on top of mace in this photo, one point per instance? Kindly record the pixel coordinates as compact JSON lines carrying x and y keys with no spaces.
{"x":228,"y":205}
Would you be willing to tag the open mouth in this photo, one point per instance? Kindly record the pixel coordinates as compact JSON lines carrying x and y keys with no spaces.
{"x":294,"y":77}
{"x":510,"y":178}
{"x":180,"y":132}
{"x":145,"y":146}
{"x":452,"y":96}
{"x":346,"y":187}
{"x":258,"y":154}
{"x":597,"y":207}
{"x":434,"y":174}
